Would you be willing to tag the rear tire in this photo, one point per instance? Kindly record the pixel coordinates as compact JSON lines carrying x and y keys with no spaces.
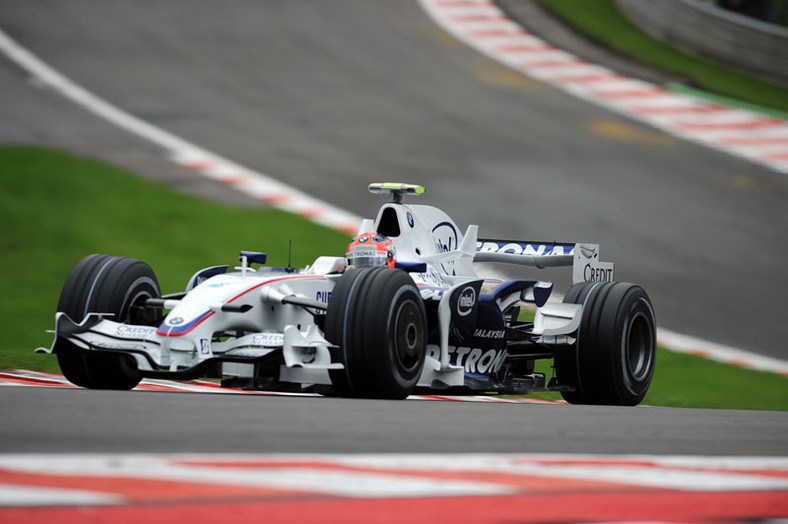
{"x":613,"y":360}
{"x":106,"y":284}
{"x":377,"y":317}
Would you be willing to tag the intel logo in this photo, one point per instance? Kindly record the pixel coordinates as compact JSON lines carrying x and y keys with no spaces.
{"x":466,"y":301}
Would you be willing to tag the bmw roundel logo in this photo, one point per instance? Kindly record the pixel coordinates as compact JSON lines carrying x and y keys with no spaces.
{"x":410,"y":219}
{"x":175,"y":321}
{"x":363,"y":239}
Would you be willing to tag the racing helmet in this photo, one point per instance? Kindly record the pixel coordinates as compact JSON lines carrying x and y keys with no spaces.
{"x":371,"y":250}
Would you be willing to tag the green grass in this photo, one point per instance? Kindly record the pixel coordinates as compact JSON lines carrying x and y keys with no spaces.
{"x":602,"y":21}
{"x":56,"y":208}
{"x":691,"y":381}
{"x":694,"y":382}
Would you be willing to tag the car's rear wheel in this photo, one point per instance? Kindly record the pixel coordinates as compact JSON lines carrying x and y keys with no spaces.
{"x":612,"y":361}
{"x":106,"y":284}
{"x":377,"y":318}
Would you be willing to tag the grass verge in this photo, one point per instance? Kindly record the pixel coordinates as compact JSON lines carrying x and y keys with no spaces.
{"x":602,"y":21}
{"x":56,"y":208}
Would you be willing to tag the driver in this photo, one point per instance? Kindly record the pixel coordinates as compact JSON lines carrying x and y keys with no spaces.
{"x":371,"y":250}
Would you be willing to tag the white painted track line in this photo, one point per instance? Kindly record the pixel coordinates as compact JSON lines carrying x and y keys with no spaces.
{"x":260,"y":186}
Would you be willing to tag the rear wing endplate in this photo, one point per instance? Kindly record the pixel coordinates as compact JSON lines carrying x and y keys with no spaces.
{"x":584,"y":258}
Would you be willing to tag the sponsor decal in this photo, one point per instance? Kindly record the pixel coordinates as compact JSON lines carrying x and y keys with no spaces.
{"x":249,"y":352}
{"x":466,"y":301}
{"x":431,"y":277}
{"x":268,"y":340}
{"x":126,"y":331}
{"x":410,"y":219}
{"x":205,"y":275}
{"x":363,"y":253}
{"x":175,"y":321}
{"x":446,"y":239}
{"x":464,"y":307}
{"x":110,"y":345}
{"x":474,"y":360}
{"x":323,"y":296}
{"x":490,"y":333}
{"x":205,"y":346}
{"x":588,"y":268}
{"x":516,"y":248}
{"x":432,"y":293}
{"x":597,"y":274}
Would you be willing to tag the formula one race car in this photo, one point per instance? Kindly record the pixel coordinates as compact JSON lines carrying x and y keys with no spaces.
{"x":402,"y":310}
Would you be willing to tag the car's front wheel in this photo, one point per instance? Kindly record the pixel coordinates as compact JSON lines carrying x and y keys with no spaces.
{"x":105,"y":284}
{"x":377,"y":318}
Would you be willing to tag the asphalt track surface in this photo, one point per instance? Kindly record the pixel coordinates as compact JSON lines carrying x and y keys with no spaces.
{"x":72,"y":420}
{"x":328,"y":96}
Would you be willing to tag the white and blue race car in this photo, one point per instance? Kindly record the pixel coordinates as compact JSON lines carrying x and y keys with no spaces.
{"x":403,"y":310}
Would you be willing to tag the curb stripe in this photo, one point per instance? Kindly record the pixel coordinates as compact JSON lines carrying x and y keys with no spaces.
{"x":406,"y":487}
{"x":723,"y":126}
{"x":22,"y":377}
{"x":641,"y":93}
{"x":675,"y":110}
{"x":559,"y":73}
{"x":758,"y":141}
{"x":588,"y":79}
{"x":720,"y":353}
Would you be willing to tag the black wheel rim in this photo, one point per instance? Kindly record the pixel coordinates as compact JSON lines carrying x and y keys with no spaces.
{"x":137,"y":313}
{"x":639,"y":347}
{"x":408,"y":336}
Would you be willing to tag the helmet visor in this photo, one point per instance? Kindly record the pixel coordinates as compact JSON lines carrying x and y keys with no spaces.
{"x":367,"y":256}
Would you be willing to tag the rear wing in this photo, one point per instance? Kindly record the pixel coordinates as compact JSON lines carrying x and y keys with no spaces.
{"x":584,"y":258}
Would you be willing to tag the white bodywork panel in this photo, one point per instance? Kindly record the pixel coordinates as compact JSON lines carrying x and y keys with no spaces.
{"x":188,"y":335}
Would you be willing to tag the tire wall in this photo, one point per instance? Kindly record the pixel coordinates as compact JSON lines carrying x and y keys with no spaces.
{"x":702,"y":29}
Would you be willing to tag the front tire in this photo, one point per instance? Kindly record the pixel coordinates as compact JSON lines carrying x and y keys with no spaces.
{"x":106,"y":284}
{"x":377,"y":317}
{"x":613,"y":360}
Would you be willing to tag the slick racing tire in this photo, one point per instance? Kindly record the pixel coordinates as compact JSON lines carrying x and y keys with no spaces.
{"x":106,"y":284}
{"x":612,"y":361}
{"x":377,"y":318}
